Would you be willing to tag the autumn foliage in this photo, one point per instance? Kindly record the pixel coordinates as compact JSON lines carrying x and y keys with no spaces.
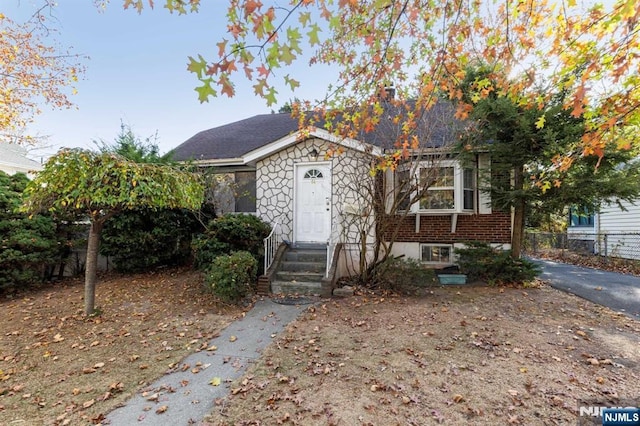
{"x":34,"y":71}
{"x":588,"y":50}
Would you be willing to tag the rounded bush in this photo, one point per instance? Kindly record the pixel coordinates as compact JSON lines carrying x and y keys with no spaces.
{"x":232,"y":277}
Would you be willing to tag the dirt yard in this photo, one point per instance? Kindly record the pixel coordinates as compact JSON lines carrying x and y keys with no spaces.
{"x":58,"y":367}
{"x":462,"y":355}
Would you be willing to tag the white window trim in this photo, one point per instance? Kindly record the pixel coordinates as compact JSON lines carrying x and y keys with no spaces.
{"x":458,"y":188}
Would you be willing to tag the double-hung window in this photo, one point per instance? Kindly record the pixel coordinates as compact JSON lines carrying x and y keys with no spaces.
{"x":444,"y":187}
{"x":439,"y":183}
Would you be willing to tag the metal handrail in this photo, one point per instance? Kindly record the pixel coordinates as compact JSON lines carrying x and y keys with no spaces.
{"x":271,"y":244}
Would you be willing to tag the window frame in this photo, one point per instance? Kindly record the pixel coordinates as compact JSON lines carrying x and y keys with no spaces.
{"x":581,"y":218}
{"x":459,"y":187}
{"x":450,"y":256}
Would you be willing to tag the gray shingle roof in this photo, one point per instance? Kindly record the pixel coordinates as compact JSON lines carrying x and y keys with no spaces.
{"x":437,"y":127}
{"x":236,"y":139}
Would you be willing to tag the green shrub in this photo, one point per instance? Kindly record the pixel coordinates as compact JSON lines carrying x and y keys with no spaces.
{"x":229,"y":233}
{"x":404,"y":276}
{"x":480,"y":261}
{"x":232,"y":277}
{"x":139,"y":240}
{"x":28,"y":245}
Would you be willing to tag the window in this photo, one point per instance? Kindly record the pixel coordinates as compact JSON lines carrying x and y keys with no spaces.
{"x":580,"y":217}
{"x":403,"y":189}
{"x":433,"y":253}
{"x":440,"y":182}
{"x":468,"y":189}
{"x":446,"y":187}
{"x":313,"y":174}
{"x":245,"y":192}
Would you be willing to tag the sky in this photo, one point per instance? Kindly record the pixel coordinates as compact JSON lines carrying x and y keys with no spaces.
{"x":136,"y":73}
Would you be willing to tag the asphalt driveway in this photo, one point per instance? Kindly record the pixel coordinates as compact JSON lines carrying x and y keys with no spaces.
{"x":619,"y":292}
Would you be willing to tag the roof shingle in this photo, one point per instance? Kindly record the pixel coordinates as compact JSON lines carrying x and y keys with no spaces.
{"x":436,"y":127}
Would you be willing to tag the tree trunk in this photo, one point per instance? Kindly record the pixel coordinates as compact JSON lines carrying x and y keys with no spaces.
{"x":93,"y":246}
{"x":518,"y":214}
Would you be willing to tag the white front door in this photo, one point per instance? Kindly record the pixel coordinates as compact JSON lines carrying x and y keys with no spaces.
{"x":313,"y":202}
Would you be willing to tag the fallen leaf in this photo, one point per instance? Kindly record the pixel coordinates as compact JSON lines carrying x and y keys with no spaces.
{"x":89,"y":403}
{"x":215,"y":381}
{"x":162,"y":409}
{"x":233,"y":338}
{"x":58,"y":338}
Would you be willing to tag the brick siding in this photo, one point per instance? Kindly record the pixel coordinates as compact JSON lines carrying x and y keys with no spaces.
{"x":492,"y":228}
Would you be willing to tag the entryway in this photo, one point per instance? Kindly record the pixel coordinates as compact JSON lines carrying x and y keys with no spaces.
{"x":313,"y":202}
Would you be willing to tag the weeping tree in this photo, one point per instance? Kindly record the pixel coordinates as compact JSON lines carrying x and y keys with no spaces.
{"x":98,"y":186}
{"x":144,"y":238}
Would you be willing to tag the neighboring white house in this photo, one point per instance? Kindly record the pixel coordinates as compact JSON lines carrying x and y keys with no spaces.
{"x":13,"y":159}
{"x":614,"y":231}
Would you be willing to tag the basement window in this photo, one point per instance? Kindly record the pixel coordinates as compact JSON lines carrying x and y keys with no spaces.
{"x":436,"y":253}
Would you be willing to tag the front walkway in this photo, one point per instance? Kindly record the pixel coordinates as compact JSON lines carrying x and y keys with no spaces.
{"x":619,"y":292}
{"x":187,"y":395}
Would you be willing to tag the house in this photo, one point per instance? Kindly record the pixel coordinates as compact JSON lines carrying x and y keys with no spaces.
{"x":13,"y":159}
{"x":317,"y":189}
{"x":613,"y":231}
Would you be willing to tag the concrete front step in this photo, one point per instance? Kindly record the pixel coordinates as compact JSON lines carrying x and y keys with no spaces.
{"x":305,"y":255}
{"x":302,"y":276}
{"x":316,"y":267}
{"x":301,"y":271}
{"x":296,"y":287}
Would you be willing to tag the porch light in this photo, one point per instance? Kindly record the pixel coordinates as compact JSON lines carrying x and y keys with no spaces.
{"x":313,"y":155}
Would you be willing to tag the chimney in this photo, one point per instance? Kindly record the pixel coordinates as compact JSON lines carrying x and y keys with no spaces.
{"x":389,"y":93}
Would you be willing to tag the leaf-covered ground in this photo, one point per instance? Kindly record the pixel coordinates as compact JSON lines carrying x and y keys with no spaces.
{"x":58,"y":367}
{"x":462,"y":355}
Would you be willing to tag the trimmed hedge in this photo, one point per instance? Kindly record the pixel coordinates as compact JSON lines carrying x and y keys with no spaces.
{"x":140,"y":240}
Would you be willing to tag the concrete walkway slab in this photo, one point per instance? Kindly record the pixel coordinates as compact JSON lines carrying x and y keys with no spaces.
{"x":620,"y":292}
{"x":189,"y":396}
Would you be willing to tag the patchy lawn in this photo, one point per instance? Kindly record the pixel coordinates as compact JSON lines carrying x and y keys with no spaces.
{"x":58,"y":367}
{"x":462,"y":355}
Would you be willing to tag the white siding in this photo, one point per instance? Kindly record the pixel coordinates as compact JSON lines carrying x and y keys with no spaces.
{"x":619,"y":230}
{"x":613,"y":219}
{"x":13,"y":159}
